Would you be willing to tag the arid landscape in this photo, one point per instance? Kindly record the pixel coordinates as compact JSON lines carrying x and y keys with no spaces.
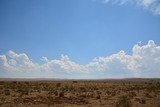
{"x":79,"y":53}
{"x":80,"y":93}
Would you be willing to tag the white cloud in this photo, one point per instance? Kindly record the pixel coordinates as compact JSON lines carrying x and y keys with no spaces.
{"x":150,"y":5}
{"x":143,"y":62}
{"x":45,"y":59}
{"x":120,"y":2}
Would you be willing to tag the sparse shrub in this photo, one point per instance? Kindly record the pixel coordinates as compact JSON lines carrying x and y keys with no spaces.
{"x":7,"y":92}
{"x":50,"y":92}
{"x":123,"y":101}
{"x":83,"y":89}
{"x":158,"y":105}
{"x":108,"y":92}
{"x":58,"y":84}
{"x":61,"y":94}
{"x":158,"y":84}
{"x":24,"y":91}
{"x":14,"y":82}
{"x":148,"y":95}
{"x":98,"y":92}
{"x":2,"y":99}
{"x":132,"y":94}
{"x":27,"y":83}
{"x":98,"y":96}
{"x":74,"y":82}
{"x":90,"y":95}
{"x":2,"y":82}
{"x":82,"y":100}
{"x":49,"y":100}
{"x":64,"y":89}
{"x":80,"y":93}
{"x":1,"y":88}
{"x":55,"y":93}
{"x":142,"y":101}
{"x":113,"y":93}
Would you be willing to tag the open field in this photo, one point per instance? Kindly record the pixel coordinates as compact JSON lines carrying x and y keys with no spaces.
{"x":81,"y":93}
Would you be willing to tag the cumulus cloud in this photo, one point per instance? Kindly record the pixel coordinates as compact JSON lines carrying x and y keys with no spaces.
{"x":150,"y":5}
{"x":45,"y":59}
{"x":143,"y":62}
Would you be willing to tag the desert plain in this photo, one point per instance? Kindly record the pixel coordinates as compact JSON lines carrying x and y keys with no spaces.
{"x":80,"y":93}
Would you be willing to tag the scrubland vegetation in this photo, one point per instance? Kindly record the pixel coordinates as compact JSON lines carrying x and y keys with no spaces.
{"x":79,"y":93}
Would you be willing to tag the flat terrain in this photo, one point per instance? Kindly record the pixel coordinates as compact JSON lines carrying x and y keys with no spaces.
{"x":80,"y":93}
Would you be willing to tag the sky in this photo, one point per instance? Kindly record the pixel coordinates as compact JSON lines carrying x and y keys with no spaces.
{"x":79,"y":39}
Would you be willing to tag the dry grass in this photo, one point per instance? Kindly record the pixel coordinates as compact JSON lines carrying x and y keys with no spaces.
{"x":104,"y":93}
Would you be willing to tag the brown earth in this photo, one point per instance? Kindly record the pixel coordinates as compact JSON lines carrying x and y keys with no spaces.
{"x":81,"y":93}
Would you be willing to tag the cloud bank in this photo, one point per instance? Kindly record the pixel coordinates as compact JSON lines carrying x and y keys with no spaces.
{"x":149,"y":5}
{"x":143,"y":62}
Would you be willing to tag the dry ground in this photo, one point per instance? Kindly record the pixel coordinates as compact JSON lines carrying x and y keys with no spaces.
{"x":74,"y":93}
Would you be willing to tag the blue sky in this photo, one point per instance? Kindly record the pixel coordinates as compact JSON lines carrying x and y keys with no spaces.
{"x":80,"y":29}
